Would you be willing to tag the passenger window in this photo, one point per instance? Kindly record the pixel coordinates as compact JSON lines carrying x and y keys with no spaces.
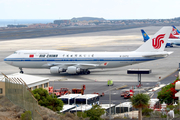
{"x":41,"y":55}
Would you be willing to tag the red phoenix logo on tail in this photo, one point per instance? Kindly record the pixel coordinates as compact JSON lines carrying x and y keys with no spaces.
{"x":156,"y":42}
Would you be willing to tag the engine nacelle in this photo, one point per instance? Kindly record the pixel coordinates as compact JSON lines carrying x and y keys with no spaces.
{"x":73,"y":70}
{"x":56,"y":69}
{"x":169,"y":44}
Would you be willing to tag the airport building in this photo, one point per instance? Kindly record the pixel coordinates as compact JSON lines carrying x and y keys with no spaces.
{"x":108,"y":108}
{"x":32,"y":82}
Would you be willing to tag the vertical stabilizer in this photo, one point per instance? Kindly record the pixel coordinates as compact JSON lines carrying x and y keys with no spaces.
{"x":145,"y":36}
{"x":157,"y":42}
{"x":176,"y":29}
{"x":174,"y":34}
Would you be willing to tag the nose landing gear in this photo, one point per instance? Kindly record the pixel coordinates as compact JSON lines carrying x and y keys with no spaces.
{"x":21,"y":71}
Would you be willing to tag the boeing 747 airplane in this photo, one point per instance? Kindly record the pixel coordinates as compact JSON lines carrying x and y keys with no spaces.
{"x":81,"y":62}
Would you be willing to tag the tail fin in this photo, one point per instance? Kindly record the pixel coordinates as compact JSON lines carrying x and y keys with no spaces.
{"x":176,"y":29}
{"x":157,"y":43}
{"x":145,"y":36}
{"x":174,"y":34}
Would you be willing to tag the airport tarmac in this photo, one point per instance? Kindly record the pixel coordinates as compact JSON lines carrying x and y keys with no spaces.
{"x":118,"y":40}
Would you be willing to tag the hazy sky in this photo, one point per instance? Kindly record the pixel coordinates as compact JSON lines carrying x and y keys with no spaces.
{"x":108,"y":9}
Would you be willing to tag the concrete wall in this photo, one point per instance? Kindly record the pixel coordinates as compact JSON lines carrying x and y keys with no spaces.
{"x":2,"y":87}
{"x":43,"y":86}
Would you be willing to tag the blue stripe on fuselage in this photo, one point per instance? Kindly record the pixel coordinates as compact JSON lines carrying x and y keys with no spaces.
{"x":81,"y":59}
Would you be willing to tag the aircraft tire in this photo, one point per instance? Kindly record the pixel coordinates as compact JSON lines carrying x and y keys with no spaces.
{"x":88,"y":72}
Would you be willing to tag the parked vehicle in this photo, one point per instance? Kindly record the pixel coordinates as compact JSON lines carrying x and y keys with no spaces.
{"x":110,"y":82}
{"x":127,"y":94}
{"x":58,"y":92}
{"x":123,"y":93}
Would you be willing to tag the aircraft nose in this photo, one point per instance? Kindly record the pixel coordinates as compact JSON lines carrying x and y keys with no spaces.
{"x":6,"y":60}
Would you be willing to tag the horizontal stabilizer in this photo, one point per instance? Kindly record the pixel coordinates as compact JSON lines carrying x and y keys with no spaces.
{"x":165,"y":54}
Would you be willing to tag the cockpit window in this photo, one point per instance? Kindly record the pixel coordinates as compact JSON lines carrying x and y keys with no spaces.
{"x":15,"y":52}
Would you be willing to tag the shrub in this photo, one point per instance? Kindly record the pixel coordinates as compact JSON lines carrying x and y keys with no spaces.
{"x":147,"y":112}
{"x":82,"y":114}
{"x":95,"y":112}
{"x":167,"y":93}
{"x":26,"y":116}
{"x":170,"y":107}
{"x":163,"y":116}
{"x":46,"y":100}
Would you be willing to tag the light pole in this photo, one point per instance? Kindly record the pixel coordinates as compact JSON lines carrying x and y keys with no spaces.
{"x":109,"y":102}
{"x":53,"y":91}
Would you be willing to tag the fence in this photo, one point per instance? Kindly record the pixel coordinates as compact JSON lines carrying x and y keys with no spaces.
{"x":18,"y":93}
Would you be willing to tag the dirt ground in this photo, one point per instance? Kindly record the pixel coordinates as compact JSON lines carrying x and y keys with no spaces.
{"x":9,"y":111}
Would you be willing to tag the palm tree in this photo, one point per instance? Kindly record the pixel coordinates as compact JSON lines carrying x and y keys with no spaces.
{"x":140,"y":101}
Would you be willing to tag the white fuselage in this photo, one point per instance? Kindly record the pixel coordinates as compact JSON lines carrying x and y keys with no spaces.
{"x":89,"y":60}
{"x":174,"y":41}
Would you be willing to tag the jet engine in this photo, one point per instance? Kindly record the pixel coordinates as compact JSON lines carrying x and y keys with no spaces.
{"x":73,"y":70}
{"x":56,"y":69}
{"x":169,"y":44}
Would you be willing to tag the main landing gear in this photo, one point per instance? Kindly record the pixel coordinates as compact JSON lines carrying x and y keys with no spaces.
{"x":85,"y":72}
{"x":21,"y":71}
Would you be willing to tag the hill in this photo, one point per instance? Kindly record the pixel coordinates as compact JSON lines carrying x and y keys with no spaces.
{"x":87,"y":19}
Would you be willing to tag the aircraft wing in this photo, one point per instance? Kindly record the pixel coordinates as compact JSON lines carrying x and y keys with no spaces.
{"x":79,"y":65}
{"x":85,"y":66}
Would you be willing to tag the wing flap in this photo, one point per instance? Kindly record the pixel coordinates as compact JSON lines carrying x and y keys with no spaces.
{"x":65,"y":65}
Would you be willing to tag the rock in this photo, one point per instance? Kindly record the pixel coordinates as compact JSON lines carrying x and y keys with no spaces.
{"x":3,"y":109}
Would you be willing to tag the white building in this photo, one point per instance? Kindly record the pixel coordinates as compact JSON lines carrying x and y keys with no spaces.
{"x":124,"y":107}
{"x":107,"y":107}
{"x":32,"y":82}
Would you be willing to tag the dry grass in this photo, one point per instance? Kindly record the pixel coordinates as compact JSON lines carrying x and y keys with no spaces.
{"x":10,"y":111}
